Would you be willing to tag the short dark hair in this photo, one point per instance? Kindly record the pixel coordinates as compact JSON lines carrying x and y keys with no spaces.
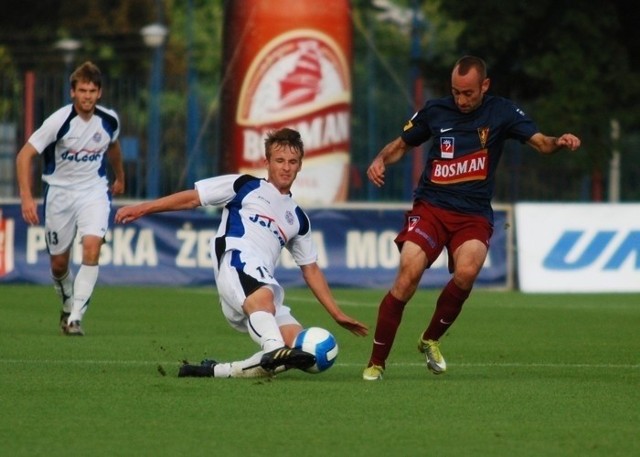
{"x":283,"y":137}
{"x":86,"y":72}
{"x":466,"y":63}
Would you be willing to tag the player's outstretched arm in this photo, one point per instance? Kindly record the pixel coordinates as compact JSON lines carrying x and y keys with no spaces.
{"x":550,"y":144}
{"x":187,"y":199}
{"x":315,"y":279}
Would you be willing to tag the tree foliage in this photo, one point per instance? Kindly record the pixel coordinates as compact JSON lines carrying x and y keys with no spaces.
{"x":573,"y":65}
{"x":565,"y":61}
{"x":108,"y":30}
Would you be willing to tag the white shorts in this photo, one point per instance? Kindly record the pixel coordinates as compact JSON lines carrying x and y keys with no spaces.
{"x":238,"y":275}
{"x":67,"y":212}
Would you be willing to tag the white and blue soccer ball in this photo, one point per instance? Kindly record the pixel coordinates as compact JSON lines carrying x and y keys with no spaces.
{"x":322,"y":344}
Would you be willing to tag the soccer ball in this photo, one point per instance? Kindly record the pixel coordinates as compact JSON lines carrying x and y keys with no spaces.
{"x":322,"y":344}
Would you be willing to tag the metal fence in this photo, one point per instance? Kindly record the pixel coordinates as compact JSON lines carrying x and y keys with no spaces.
{"x":523,"y":174}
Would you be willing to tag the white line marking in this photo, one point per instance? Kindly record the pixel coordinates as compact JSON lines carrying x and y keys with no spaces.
{"x":463,"y":365}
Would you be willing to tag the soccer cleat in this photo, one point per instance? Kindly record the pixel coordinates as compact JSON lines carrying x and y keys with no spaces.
{"x":373,"y":373}
{"x":431,"y":349}
{"x":204,"y":370}
{"x":63,"y":321}
{"x":287,"y":357}
{"x":74,"y":329}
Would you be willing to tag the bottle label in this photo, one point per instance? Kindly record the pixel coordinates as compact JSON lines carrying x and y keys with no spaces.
{"x":300,"y":79}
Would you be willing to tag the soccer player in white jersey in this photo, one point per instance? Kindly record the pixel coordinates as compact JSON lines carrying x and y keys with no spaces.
{"x":76,"y":143}
{"x":259,"y":218}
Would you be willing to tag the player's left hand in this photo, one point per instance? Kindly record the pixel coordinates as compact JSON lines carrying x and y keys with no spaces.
{"x":355,"y":327}
{"x":568,"y":141}
{"x":127,"y":214}
{"x":117,"y":188}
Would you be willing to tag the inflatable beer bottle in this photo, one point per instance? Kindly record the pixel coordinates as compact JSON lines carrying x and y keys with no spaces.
{"x":287,"y":64}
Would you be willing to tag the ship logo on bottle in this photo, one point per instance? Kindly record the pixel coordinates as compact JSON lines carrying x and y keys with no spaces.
{"x":302,"y":84}
{"x":300,"y":79}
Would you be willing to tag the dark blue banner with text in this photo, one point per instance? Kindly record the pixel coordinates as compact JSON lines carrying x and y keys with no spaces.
{"x":355,"y":247}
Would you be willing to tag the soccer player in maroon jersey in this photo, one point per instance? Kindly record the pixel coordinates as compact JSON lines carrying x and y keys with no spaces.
{"x":452,"y":201}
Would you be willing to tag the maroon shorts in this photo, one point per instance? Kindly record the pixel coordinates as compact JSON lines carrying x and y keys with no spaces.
{"x":434,"y":228}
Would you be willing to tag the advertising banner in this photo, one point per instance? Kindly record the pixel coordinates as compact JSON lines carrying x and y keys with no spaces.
{"x":355,"y":247}
{"x":578,"y":247}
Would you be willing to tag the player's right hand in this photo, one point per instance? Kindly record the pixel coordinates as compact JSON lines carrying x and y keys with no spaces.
{"x":125,"y":215}
{"x":30,"y":211}
{"x":375,"y":172}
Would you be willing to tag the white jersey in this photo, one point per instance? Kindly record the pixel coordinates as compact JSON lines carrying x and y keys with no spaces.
{"x":257,"y":219}
{"x":74,"y":149}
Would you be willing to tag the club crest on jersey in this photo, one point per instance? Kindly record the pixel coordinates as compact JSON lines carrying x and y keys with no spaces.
{"x":447,"y":144}
{"x":483,"y":134}
{"x":97,"y":137}
{"x":289,"y":217}
{"x":412,"y":222}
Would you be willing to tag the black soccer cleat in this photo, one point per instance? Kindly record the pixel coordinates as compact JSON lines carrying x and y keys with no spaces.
{"x":290,"y":358}
{"x":204,"y":370}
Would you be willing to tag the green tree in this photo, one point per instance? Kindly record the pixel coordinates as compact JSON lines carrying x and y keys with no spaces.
{"x":568,"y":63}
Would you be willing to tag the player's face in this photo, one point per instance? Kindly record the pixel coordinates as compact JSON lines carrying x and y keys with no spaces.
{"x":468,"y":90}
{"x":283,"y":167}
{"x":85,"y":97}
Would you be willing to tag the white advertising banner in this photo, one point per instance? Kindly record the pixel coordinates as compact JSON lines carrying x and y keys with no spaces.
{"x":578,"y":247}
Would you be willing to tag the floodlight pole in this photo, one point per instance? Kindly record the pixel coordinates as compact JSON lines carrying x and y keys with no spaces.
{"x":154,"y":36}
{"x":69,"y":47}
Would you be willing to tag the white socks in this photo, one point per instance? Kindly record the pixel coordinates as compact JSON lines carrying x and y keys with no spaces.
{"x":83,"y":288}
{"x":249,"y":368}
{"x":264,"y":330}
{"x":64,"y":288}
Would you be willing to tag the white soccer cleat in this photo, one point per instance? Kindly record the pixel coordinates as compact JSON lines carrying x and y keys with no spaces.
{"x":431,"y":349}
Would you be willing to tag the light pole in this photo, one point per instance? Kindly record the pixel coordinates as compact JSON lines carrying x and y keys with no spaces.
{"x":154,"y":36}
{"x":417,"y":79}
{"x":69,"y":47}
{"x":194,"y":166}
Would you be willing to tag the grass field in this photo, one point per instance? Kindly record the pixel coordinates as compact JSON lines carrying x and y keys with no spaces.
{"x":529,"y":375}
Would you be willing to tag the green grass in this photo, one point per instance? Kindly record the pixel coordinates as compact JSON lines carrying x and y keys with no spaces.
{"x":529,"y":375}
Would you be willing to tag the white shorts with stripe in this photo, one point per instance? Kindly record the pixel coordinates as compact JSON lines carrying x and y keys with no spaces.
{"x":238,"y":275}
{"x":67,"y":212}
